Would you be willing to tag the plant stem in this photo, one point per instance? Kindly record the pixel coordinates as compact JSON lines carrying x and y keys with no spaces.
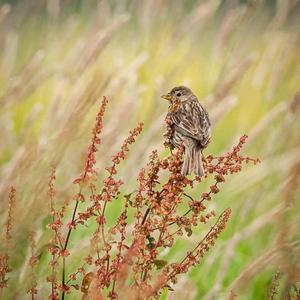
{"x":175,"y":272}
{"x":145,"y":215}
{"x":65,"y":247}
{"x":63,"y":278}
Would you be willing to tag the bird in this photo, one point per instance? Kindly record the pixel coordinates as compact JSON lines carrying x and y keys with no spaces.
{"x":190,"y":127}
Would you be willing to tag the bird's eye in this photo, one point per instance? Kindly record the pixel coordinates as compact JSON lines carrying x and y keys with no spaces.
{"x":178,"y":94}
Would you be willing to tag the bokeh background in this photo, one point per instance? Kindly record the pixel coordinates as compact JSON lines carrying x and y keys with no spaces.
{"x":241,"y":58}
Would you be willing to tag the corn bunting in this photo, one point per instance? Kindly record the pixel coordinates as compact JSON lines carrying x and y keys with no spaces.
{"x":190,"y":127}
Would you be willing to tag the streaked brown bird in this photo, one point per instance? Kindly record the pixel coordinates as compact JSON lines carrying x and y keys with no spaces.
{"x":190,"y":127}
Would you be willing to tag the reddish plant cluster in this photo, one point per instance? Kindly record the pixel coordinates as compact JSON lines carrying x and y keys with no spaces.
{"x":89,"y":168}
{"x":158,"y":221}
{"x":56,"y":242}
{"x":4,"y":258}
{"x":95,"y":210}
{"x":129,"y":258}
{"x":118,"y":255}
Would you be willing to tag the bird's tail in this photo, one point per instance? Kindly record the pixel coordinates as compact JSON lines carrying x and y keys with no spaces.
{"x":192,"y":162}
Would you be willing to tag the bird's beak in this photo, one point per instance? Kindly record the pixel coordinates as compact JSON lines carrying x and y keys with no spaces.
{"x":167,"y":97}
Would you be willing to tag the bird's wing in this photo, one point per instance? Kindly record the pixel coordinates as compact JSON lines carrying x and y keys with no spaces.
{"x":192,"y":120}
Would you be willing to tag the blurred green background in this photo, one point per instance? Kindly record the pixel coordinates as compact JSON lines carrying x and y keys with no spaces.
{"x":241,"y":58}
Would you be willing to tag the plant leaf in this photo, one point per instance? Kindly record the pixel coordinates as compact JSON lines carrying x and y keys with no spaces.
{"x":160,"y":263}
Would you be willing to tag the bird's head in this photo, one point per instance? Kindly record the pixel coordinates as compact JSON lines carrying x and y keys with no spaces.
{"x":179,"y":94}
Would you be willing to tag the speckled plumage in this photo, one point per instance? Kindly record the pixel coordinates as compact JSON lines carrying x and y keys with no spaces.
{"x":190,"y":126}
